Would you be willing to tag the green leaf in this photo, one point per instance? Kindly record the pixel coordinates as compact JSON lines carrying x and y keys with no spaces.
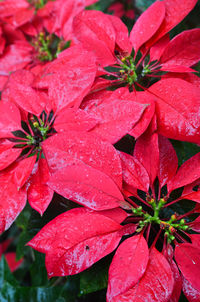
{"x":184,"y":150}
{"x":144,"y":4}
{"x":5,"y":274}
{"x":95,"y":278}
{"x":38,"y":277}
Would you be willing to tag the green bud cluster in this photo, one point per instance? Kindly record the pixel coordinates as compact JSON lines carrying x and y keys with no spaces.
{"x":170,"y":227}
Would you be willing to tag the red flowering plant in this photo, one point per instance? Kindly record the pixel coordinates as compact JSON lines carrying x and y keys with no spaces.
{"x":61,"y":128}
{"x":146,"y":265}
{"x":34,"y":32}
{"x":146,"y":60}
{"x":28,"y":118}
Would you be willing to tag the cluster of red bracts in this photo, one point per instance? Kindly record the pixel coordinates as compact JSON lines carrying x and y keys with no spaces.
{"x":61,"y":112}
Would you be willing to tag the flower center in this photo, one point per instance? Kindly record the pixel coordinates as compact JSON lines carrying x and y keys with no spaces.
{"x":136,"y":73}
{"x":34,"y":132}
{"x":48,"y":46}
{"x":169,"y":226}
{"x":38,"y":3}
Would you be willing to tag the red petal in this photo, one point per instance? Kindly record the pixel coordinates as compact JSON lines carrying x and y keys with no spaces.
{"x":23,"y":170}
{"x":87,"y":186}
{"x":10,"y":7}
{"x":187,"y":173}
{"x":128,"y":266}
{"x":156,"y":285}
{"x":16,"y":56}
{"x":195,"y":225}
{"x":195,"y":196}
{"x":8,"y":154}
{"x":116,"y":214}
{"x":72,"y":119}
{"x":84,"y":238}
{"x":177,"y":283}
{"x":19,"y":91}
{"x":188,"y":259}
{"x":157,"y":49}
{"x":143,"y":98}
{"x":183,"y":49}
{"x":12,"y":201}
{"x":177,"y":108}
{"x":77,"y":225}
{"x":21,"y":17}
{"x":121,"y":32}
{"x":63,"y":262}
{"x":189,"y":77}
{"x":176,"y":10}
{"x":147,"y":25}
{"x":117,"y":117}
{"x":168,"y":160}
{"x":147,"y":152}
{"x":76,"y":146}
{"x":78,"y":67}
{"x":10,"y":119}
{"x":190,"y":292}
{"x":134,"y":173}
{"x":95,"y":31}
{"x":39,"y":194}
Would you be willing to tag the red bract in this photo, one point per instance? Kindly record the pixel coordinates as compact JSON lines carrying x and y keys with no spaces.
{"x":28,"y":119}
{"x":34,"y":32}
{"x":137,"y":270}
{"x":154,"y":55}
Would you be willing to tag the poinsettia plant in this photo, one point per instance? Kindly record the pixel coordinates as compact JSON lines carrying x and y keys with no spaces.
{"x":99,"y":149}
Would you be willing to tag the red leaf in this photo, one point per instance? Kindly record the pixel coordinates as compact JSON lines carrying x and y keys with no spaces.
{"x":128,"y":266}
{"x":22,"y":170}
{"x":188,"y":259}
{"x":168,"y":161}
{"x":39,"y":194}
{"x":72,"y":119}
{"x":177,"y":109}
{"x":10,"y":7}
{"x":177,"y":283}
{"x":134,"y":173}
{"x":156,"y":285}
{"x":176,"y":10}
{"x":187,"y":173}
{"x":8,"y":154}
{"x":63,"y":262}
{"x":195,"y":225}
{"x":183,"y":49}
{"x":76,"y":146}
{"x":77,"y":225}
{"x":23,"y":95}
{"x":157,"y":49}
{"x":12,"y":201}
{"x":147,"y":25}
{"x":95,"y":31}
{"x":86,"y":186}
{"x":16,"y":56}
{"x":10,"y":119}
{"x":190,"y":292}
{"x":143,"y":98}
{"x":116,"y":214}
{"x":117,"y":115}
{"x":121,"y":32}
{"x":84,"y":238}
{"x":79,"y":68}
{"x":147,"y":152}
